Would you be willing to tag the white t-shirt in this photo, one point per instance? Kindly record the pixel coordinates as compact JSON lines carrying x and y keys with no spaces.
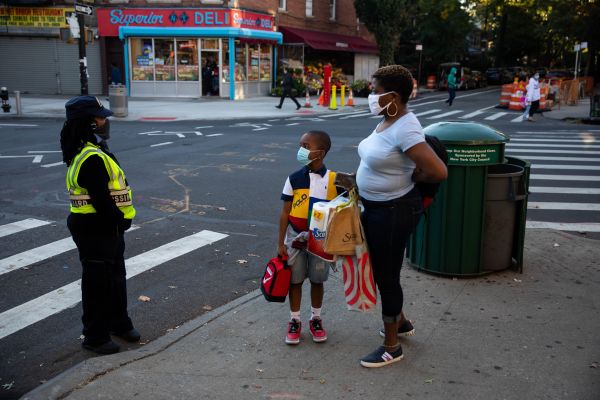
{"x":385,"y":172}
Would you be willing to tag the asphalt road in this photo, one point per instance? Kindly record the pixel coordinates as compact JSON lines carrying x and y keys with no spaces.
{"x":212,"y":176}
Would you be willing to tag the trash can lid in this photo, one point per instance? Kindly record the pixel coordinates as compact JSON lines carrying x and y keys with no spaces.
{"x":466,"y":133}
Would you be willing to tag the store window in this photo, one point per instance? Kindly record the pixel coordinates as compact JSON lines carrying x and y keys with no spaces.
{"x":164,"y":59}
{"x":210,"y":44}
{"x":309,"y":8}
{"x":283,"y":5}
{"x":142,"y":57}
{"x":265,"y":62}
{"x":253,"y":61}
{"x":240,"y":61}
{"x":225,"y":61}
{"x":187,"y":60}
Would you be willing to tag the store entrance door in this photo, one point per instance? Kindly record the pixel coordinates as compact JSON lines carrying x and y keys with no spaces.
{"x":210,"y":72}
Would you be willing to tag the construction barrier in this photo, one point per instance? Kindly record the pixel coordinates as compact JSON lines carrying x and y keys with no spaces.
{"x":321,"y":101}
{"x":307,"y":102}
{"x":505,"y":95}
{"x":543,"y":98}
{"x":333,"y":103}
{"x":350,"y":100}
{"x":516,"y":100}
{"x":431,"y":82}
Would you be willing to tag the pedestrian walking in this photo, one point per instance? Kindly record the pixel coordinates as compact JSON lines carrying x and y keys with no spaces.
{"x":101,"y":211}
{"x":287,"y":85}
{"x":451,"y":86}
{"x":392,"y":158}
{"x":533,"y":95}
{"x":115,"y":74}
{"x":310,"y":184}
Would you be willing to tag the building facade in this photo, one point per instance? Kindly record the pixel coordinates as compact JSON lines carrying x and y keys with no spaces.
{"x":180,"y":48}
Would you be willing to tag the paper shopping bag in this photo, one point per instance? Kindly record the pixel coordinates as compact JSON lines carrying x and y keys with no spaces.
{"x":343,"y":231}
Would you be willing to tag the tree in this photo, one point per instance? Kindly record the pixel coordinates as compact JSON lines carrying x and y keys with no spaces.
{"x":385,"y":19}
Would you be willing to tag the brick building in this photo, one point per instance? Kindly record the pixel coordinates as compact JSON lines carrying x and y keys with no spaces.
{"x":183,"y":48}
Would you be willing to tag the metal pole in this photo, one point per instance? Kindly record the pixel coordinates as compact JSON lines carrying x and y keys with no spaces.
{"x":83,"y":77}
{"x":419,"y":74}
{"x":18,"y":102}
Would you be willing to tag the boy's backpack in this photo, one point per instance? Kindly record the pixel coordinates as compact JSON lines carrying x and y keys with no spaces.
{"x":428,"y":189}
{"x":275,"y":283}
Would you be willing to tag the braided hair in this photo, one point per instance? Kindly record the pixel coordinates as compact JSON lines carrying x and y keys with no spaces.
{"x":395,"y":78}
{"x":73,"y":136}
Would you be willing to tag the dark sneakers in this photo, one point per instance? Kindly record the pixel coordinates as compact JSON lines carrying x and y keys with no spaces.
{"x":381,"y":358}
{"x":109,"y":347}
{"x":406,"y":329}
{"x":131,"y":336}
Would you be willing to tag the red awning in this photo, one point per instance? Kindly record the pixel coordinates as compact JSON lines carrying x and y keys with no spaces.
{"x":328,"y":41}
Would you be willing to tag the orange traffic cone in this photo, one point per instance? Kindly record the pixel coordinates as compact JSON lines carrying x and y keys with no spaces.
{"x":320,"y":101}
{"x":350,"y":102}
{"x":307,"y":103}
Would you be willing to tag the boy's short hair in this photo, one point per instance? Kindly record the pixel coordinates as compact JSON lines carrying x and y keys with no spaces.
{"x":323,"y":139}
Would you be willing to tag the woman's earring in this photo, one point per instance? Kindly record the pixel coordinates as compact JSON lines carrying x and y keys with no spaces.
{"x":395,"y":113}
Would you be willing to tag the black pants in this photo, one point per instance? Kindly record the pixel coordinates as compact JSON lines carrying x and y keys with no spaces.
{"x":387,"y":228}
{"x":103,"y":282}
{"x":451,"y":96}
{"x":534,"y":107}
{"x":287,"y":92}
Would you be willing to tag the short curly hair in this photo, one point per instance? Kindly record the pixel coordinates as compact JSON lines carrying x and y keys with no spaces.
{"x":395,"y":78}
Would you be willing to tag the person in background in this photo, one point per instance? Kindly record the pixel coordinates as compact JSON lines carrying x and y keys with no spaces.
{"x":451,"y":86}
{"x":115,"y":75}
{"x":287,"y":84}
{"x":101,"y":212}
{"x":533,"y":95}
{"x":392,"y":158}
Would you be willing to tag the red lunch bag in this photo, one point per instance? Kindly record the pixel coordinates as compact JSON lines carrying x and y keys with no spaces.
{"x":275,"y":283}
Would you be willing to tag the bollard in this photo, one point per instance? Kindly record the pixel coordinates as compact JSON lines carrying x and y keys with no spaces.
{"x":333,"y":103}
{"x":342,"y":95}
{"x":18,"y":102}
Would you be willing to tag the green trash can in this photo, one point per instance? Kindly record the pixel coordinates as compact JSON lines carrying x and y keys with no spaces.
{"x":449,"y":239}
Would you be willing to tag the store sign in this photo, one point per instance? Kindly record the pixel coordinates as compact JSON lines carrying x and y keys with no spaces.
{"x":110,"y":19}
{"x":35,"y":17}
{"x":473,"y":155}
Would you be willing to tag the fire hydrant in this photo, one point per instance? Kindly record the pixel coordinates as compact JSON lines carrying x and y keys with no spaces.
{"x":4,"y":97}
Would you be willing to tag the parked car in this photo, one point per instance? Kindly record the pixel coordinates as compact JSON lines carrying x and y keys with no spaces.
{"x":558,"y":73}
{"x":479,"y":78}
{"x":494,"y":75}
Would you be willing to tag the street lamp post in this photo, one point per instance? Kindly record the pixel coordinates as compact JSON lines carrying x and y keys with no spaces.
{"x":420,"y":50}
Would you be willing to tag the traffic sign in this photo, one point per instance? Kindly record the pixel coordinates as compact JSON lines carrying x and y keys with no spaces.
{"x":82,"y":9}
{"x":419,"y":47}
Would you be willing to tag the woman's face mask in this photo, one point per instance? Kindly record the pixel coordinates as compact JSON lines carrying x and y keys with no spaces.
{"x":374,"y":106}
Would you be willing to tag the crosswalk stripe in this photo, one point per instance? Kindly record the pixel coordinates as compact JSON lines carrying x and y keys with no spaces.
{"x":38,"y":254}
{"x":342,"y":114}
{"x":471,"y":115}
{"x":571,"y":146}
{"x":51,"y":303}
{"x":542,"y":205}
{"x":446,"y":114}
{"x":563,"y":190}
{"x":563,"y":166}
{"x":546,"y":158}
{"x":356,"y":115}
{"x":582,"y":178}
{"x":19,"y":226}
{"x":518,"y":119}
{"x":563,"y":226}
{"x":495,"y":116}
{"x":426,"y":113}
{"x":580,"y":152}
{"x":583,"y":140}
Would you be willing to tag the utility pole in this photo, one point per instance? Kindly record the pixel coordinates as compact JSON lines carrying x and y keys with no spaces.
{"x":419,"y":48}
{"x":83,"y":74}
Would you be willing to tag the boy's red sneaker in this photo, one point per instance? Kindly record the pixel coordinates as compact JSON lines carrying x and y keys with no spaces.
{"x":317,"y":331}
{"x":293,"y":333}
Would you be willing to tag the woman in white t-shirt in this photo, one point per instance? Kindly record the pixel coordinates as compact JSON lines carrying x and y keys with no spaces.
{"x":392,"y":158}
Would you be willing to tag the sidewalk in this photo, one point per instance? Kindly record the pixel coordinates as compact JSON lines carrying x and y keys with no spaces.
{"x":181,"y":109}
{"x":503,"y":336}
{"x":579,"y":112}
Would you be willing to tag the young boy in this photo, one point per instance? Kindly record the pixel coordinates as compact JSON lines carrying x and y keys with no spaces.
{"x":310,"y":184}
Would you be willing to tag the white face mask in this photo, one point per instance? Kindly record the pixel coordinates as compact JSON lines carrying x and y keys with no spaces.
{"x":374,"y":106}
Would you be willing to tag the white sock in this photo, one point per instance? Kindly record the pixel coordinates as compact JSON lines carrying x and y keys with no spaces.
{"x":295,"y":315}
{"x":315,"y":313}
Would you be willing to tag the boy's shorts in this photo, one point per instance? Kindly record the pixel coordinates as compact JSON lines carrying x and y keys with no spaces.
{"x":306,"y":265}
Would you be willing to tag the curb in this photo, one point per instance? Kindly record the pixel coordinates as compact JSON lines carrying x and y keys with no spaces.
{"x":84,"y":373}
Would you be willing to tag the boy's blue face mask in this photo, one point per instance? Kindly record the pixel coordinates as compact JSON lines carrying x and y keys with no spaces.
{"x":302,"y":156}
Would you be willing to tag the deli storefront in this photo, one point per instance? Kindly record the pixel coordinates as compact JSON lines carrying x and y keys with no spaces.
{"x":191,"y":52}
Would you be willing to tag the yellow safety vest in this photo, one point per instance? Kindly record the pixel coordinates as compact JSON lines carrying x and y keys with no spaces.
{"x":119,"y":191}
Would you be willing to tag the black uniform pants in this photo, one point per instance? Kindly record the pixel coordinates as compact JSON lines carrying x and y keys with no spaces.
{"x":387,"y":225}
{"x":103,"y":282}
{"x":287,"y":92}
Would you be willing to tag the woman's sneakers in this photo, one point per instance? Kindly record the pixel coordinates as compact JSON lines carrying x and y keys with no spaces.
{"x":293,"y":333}
{"x":382,"y":357}
{"x":405,"y":329}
